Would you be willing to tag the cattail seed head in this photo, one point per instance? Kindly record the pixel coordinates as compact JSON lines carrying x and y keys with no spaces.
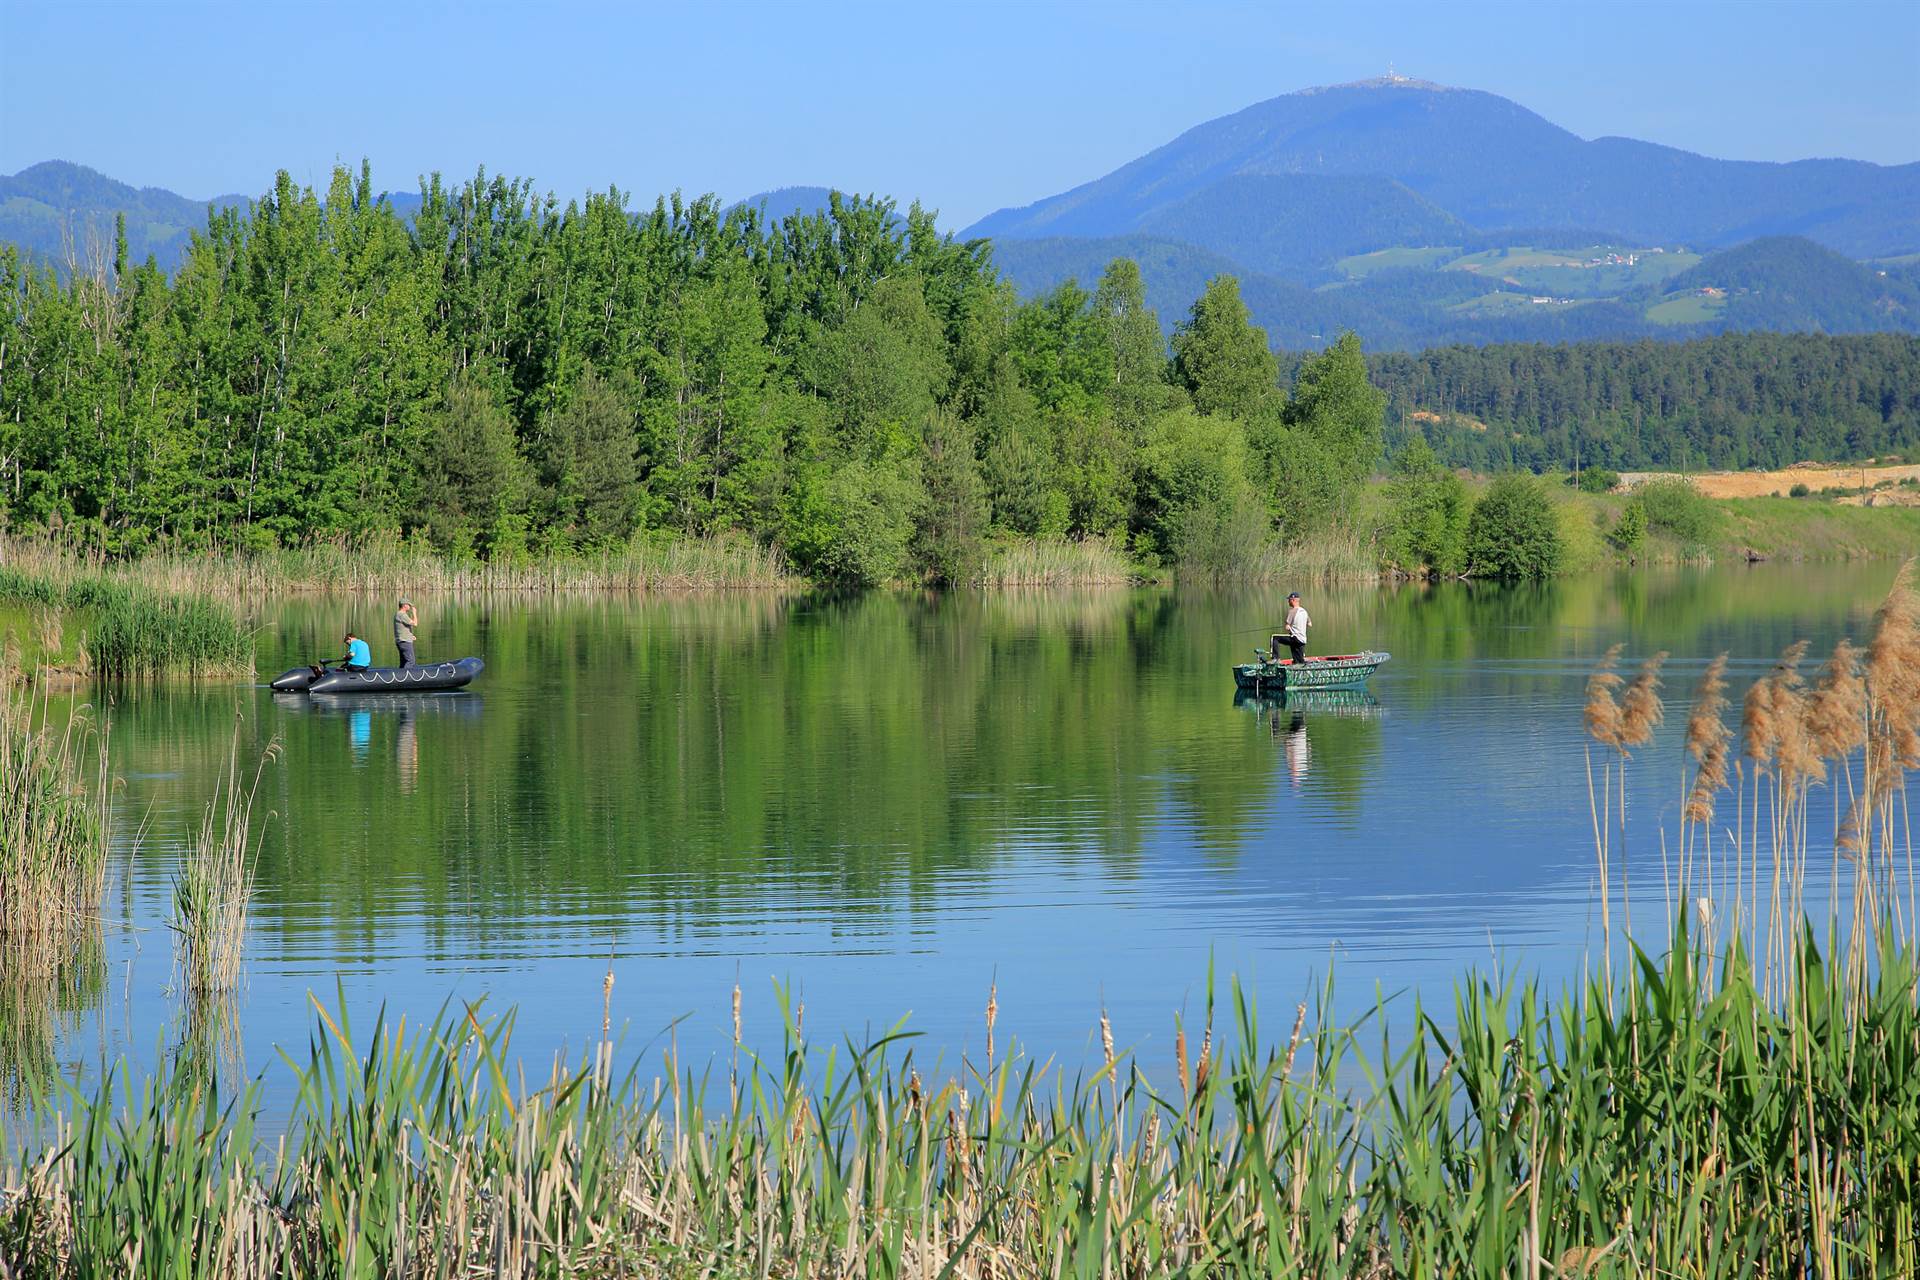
{"x":1707,"y":725}
{"x":1837,"y":711}
{"x":1603,"y":709}
{"x":1641,"y":708}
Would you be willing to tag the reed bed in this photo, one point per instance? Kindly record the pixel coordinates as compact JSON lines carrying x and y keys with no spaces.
{"x":1742,"y":1102}
{"x":1337,"y":554}
{"x":55,"y":823}
{"x":119,"y":628}
{"x":55,"y":807}
{"x":1090,"y":562}
{"x":379,"y":567}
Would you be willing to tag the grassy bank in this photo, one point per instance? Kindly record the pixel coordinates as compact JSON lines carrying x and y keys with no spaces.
{"x":60,"y":614}
{"x":1739,"y":1100}
{"x":1795,"y":529}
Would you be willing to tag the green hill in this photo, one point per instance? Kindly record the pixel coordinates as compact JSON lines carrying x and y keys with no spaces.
{"x":63,"y":213}
{"x":1294,"y":224}
{"x":1785,"y":282}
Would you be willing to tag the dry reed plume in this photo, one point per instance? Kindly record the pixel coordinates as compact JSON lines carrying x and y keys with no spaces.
{"x":1707,"y":741}
{"x":1603,"y":706}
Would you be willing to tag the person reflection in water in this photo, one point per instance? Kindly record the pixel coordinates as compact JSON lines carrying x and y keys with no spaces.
{"x":407,"y":751}
{"x":1299,"y":750}
{"x":360,"y":734}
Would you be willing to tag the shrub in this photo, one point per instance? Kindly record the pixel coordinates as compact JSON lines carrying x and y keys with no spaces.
{"x":1676,"y":508}
{"x":1631,"y":531}
{"x":1513,"y":533}
{"x":1595,"y":480}
{"x":1799,"y":490}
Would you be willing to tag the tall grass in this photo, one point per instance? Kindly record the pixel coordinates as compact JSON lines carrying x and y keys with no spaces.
{"x":214,"y":885}
{"x":54,"y":827}
{"x":1744,"y":1101}
{"x":377,"y":567}
{"x":122,"y":628}
{"x":1056,"y":563}
{"x":55,"y":823}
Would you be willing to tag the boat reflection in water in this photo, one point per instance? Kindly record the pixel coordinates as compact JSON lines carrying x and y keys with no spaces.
{"x":403,"y":710}
{"x":1286,"y":717}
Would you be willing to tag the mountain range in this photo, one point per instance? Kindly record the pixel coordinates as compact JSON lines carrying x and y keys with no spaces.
{"x":1416,"y":156}
{"x":1410,"y":212}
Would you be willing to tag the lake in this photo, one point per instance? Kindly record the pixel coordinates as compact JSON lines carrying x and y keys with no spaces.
{"x":883,"y":806}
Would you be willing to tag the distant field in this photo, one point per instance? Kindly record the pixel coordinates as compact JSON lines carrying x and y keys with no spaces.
{"x":1503,"y":303}
{"x":1688,"y":308}
{"x":1362,"y":265}
{"x":1763,"y":484}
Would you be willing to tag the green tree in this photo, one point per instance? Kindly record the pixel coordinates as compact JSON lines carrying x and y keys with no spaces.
{"x":1428,"y":511}
{"x":592,"y":470}
{"x":1022,"y":491}
{"x":1514,"y":532}
{"x":472,"y":478}
{"x":1192,"y":489}
{"x":948,"y":542}
{"x":1631,"y":529}
{"x":1222,"y":357}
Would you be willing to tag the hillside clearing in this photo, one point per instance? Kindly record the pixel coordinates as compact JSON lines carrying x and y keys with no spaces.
{"x":1778,"y":484}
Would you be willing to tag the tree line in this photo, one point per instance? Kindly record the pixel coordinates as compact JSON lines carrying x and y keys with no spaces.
{"x":1731,"y":401}
{"x":500,"y":374}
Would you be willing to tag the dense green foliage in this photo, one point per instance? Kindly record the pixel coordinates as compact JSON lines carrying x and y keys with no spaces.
{"x":1737,"y":400}
{"x":1676,"y":508}
{"x":497,"y":375}
{"x":1429,"y":510}
{"x":1782,"y":284}
{"x":1514,"y":533}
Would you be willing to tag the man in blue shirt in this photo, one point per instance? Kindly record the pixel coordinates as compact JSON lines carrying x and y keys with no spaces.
{"x":359,"y":656}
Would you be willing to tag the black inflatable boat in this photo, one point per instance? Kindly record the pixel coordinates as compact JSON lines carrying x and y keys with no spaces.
{"x":422,"y":677}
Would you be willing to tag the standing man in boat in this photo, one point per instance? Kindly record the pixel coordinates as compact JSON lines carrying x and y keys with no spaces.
{"x":1295,"y":630}
{"x":405,"y":619}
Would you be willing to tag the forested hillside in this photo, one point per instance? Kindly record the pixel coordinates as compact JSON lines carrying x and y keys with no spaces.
{"x":498,"y":374}
{"x":58,"y":212}
{"x":1491,"y":163}
{"x":1737,"y":400}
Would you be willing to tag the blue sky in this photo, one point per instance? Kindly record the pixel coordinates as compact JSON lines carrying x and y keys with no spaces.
{"x":966,"y":106}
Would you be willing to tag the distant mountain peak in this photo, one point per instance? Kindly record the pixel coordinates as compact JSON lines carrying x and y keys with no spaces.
{"x":1388,"y":81}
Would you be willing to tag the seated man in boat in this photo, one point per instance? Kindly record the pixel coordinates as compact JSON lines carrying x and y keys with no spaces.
{"x":359,"y":656}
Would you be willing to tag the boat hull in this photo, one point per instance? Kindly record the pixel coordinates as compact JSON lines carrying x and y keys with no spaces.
{"x":422,"y":677}
{"x":1347,"y":671}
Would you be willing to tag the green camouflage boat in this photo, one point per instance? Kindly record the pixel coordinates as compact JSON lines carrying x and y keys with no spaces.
{"x":1266,"y":674}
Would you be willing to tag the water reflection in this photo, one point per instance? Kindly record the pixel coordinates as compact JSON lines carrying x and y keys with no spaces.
{"x":892,"y":799}
{"x":1285,"y":715}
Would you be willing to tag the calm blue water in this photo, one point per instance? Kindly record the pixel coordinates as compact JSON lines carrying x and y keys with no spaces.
{"x":888,"y":805}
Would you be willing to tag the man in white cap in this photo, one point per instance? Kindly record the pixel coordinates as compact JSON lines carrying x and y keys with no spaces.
{"x":405,"y":619}
{"x":1295,"y":633}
